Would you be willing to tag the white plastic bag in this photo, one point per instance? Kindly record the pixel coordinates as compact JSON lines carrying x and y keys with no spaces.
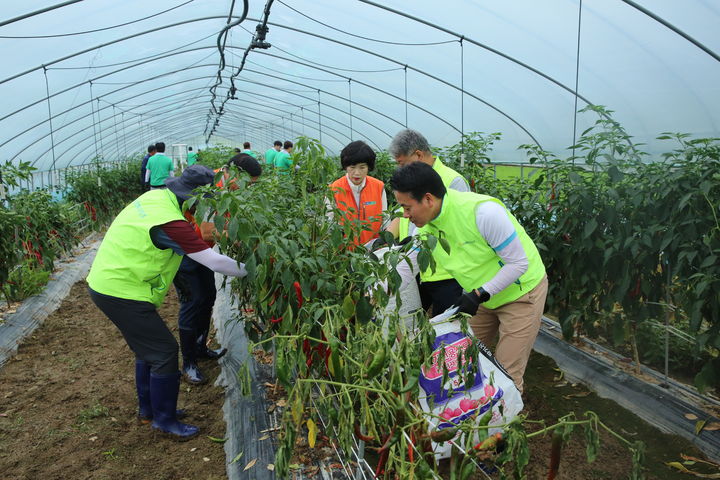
{"x":455,"y":401}
{"x":408,"y":291}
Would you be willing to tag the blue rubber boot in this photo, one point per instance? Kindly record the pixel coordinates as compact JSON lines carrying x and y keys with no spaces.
{"x":190,"y":370}
{"x":142,"y":385}
{"x":164,"y":389}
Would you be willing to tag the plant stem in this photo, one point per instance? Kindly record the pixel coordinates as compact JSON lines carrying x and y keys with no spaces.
{"x":340,"y":384}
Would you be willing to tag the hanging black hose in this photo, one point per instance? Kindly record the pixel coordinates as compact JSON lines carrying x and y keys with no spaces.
{"x":258,"y":41}
{"x":221,"y":41}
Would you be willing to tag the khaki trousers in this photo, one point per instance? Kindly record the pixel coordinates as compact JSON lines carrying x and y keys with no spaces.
{"x":518,"y":324}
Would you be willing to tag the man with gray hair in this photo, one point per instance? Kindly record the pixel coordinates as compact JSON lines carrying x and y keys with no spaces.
{"x":437,"y":289}
{"x":410,"y":146}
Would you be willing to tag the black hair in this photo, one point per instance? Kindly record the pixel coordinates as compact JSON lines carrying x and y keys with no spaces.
{"x":189,"y":149}
{"x":277,"y":143}
{"x":237,"y":150}
{"x":160,"y":147}
{"x":417,"y":179}
{"x":243,"y":161}
{"x":151,"y":148}
{"x":246,"y":145}
{"x":357,"y":152}
{"x":287,"y":144}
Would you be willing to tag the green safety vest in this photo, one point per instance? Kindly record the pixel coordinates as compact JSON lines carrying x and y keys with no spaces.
{"x":472,"y":262}
{"x":128,"y":265}
{"x":447,"y":175}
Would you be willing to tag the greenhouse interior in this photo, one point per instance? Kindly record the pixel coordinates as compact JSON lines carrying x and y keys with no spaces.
{"x":258,"y":206}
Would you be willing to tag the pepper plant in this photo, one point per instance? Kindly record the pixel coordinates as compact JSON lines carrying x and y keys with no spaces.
{"x":318,"y":302}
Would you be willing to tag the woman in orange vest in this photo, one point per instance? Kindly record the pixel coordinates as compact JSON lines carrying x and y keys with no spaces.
{"x":360,"y":197}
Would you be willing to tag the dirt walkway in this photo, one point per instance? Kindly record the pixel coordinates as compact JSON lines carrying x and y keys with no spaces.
{"x":68,"y":406}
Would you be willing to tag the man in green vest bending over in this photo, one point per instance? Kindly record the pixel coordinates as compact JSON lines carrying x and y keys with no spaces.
{"x":491,"y":256}
{"x":130,"y":276}
{"x":437,"y":289}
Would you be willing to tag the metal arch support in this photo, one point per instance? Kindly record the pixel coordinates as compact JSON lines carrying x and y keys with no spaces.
{"x":152,"y":78}
{"x":149,"y":91}
{"x":421,"y":72}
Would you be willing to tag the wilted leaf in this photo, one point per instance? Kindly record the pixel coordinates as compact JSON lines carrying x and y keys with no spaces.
{"x":271,"y":467}
{"x":264,"y":437}
{"x":699,"y":426}
{"x":297,"y":410}
{"x":250,"y":464}
{"x":217,"y":440}
{"x":691,"y":416}
{"x":312,"y":432}
{"x":576,"y":395}
{"x":678,"y":466}
{"x":713,"y":426}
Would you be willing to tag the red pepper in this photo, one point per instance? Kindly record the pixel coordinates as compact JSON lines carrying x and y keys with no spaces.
{"x":276,"y":320}
{"x":298,"y":293}
{"x":489,"y":443}
{"x":359,"y":434}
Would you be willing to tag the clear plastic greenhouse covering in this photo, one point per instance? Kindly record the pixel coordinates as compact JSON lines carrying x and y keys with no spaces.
{"x":84,"y":79}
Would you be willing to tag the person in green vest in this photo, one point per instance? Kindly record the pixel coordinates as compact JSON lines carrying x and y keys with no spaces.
{"x":491,"y":256}
{"x":283,"y":161}
{"x":191,"y":157}
{"x":249,"y":151}
{"x":159,"y":167}
{"x":130,"y":276}
{"x":437,"y":289}
{"x":271,"y":152}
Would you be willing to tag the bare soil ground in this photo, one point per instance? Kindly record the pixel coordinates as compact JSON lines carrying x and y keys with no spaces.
{"x":68,"y":406}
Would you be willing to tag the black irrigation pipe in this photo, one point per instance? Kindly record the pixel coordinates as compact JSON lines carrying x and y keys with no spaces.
{"x":257,"y":41}
{"x":221,"y":40}
{"x":38,"y":12}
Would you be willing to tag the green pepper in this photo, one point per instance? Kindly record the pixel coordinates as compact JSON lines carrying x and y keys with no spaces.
{"x":412,"y":380}
{"x":555,"y":450}
{"x":467,"y":470}
{"x":443,"y":435}
{"x":335,"y":358}
{"x":376,"y":364}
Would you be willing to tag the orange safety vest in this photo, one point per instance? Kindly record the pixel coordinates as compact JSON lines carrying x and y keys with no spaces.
{"x":369,"y":212}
